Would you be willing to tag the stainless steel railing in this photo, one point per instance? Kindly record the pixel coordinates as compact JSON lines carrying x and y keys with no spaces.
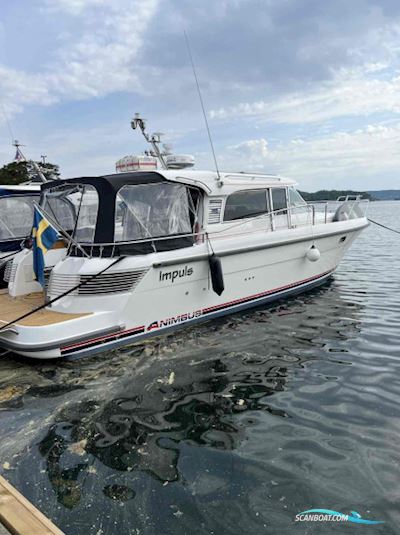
{"x":318,"y":212}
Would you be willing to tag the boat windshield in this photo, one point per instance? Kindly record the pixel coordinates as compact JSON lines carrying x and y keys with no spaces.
{"x":295,"y":199}
{"x":74,"y":209}
{"x":148,"y":211}
{"x":16,"y":216}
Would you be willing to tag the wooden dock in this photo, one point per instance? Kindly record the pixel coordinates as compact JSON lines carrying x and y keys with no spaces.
{"x":19,"y":517}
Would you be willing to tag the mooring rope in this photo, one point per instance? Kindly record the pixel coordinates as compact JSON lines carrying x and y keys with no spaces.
{"x":383,"y":226}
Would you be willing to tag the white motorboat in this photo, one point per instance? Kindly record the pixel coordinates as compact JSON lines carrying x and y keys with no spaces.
{"x":16,"y":215}
{"x":143,"y":265}
{"x":146,"y":252}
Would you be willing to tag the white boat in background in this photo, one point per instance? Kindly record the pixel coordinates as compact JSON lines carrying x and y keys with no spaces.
{"x":16,"y":216}
{"x":162,"y":249}
{"x":16,"y":211}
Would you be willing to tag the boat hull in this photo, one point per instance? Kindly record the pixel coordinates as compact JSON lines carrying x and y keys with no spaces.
{"x":176,"y":292}
{"x":119,"y":340}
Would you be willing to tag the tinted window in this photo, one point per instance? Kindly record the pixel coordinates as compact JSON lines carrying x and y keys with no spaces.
{"x":278,"y":199}
{"x":245,"y":204}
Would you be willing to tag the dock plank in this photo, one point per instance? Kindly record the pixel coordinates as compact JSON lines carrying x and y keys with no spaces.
{"x":19,"y":516}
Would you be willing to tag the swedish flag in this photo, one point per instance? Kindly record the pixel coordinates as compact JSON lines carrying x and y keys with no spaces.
{"x":44,"y":237}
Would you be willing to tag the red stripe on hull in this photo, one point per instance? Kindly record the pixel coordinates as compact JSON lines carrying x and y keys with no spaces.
{"x":204,"y":311}
{"x":101,"y":338}
{"x":263,"y":294}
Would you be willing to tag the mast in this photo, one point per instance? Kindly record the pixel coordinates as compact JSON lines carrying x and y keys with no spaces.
{"x":153,"y":139}
{"x":19,"y":157}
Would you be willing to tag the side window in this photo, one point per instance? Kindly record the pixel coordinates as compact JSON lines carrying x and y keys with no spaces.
{"x":152,"y":210}
{"x":295,"y":199}
{"x":245,"y":204}
{"x":16,"y":216}
{"x":279,"y":200}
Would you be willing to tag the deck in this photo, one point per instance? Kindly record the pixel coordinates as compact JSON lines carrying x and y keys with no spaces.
{"x":19,"y":517}
{"x":11,"y":308}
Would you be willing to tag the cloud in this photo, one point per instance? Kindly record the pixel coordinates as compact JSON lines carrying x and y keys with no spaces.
{"x":97,"y":62}
{"x":270,"y":46}
{"x":254,"y":151}
{"x":73,"y":7}
{"x":295,"y":71}
{"x":23,"y":88}
{"x":349,"y":94}
{"x":338,"y":160}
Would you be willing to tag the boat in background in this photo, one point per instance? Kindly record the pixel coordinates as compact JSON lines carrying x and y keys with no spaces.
{"x":16,"y":212}
{"x":16,"y":216}
{"x":157,"y":250}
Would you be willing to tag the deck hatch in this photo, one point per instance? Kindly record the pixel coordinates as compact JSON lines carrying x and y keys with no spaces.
{"x":108,"y":283}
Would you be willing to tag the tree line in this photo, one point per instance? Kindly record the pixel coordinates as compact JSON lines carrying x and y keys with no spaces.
{"x":18,"y":172}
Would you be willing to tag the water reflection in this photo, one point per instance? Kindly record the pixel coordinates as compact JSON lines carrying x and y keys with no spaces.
{"x":142,"y":431}
{"x":189,"y":412}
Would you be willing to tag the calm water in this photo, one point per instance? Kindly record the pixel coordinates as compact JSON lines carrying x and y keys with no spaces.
{"x":231,"y":427}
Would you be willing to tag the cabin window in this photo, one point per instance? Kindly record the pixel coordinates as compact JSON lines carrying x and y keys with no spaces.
{"x":245,"y":204}
{"x":295,"y":199}
{"x":61,"y":211}
{"x":153,"y":210}
{"x":16,"y":216}
{"x":279,"y":202}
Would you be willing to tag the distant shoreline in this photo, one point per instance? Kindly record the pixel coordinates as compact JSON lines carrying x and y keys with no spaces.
{"x":371,"y":195}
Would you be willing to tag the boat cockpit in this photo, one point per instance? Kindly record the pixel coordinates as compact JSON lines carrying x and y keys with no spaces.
{"x":130,"y":214}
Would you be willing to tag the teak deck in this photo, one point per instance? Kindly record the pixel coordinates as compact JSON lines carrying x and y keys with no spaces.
{"x":19,"y":516}
{"x":12,"y":308}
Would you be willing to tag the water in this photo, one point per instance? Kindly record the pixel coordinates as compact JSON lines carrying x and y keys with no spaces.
{"x":226,"y":428}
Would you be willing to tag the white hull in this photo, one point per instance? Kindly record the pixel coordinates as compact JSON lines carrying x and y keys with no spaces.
{"x":174,"y":288}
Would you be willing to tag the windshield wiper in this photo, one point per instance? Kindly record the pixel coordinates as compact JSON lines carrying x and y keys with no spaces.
{"x":248,"y":215}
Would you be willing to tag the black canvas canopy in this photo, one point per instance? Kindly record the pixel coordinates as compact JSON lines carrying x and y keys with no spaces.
{"x":107,"y":187}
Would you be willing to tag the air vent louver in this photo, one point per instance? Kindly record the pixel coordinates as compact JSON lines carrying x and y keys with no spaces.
{"x":214,"y":211}
{"x":108,"y":283}
{"x":9,"y":271}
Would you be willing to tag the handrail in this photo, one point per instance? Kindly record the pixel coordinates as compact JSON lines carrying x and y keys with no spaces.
{"x":200,"y":236}
{"x":191,"y":234}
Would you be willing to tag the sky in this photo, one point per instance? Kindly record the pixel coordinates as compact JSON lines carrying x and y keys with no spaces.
{"x":308,"y":89}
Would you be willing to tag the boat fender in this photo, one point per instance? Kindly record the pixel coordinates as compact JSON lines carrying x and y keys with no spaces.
{"x":313,"y":254}
{"x":217,"y":277}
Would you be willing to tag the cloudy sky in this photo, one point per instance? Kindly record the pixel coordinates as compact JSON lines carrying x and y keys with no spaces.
{"x":305,"y":88}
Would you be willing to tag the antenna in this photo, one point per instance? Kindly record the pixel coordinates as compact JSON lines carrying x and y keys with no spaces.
{"x":203,"y":108}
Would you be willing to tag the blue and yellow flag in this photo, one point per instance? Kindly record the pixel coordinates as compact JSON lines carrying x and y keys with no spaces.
{"x":44,"y":237}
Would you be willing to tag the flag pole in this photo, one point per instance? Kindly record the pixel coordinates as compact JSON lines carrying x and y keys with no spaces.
{"x":65,"y":234}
